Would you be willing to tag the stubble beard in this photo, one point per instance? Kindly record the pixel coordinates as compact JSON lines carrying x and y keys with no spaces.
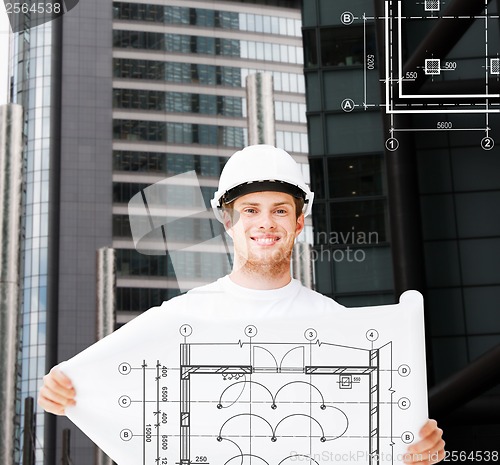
{"x":271,"y":267}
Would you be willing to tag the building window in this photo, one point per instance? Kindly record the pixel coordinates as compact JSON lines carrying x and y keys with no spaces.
{"x":181,"y":230}
{"x":140,"y":299}
{"x":310,"y":48}
{"x":317,"y":171}
{"x":176,"y":72}
{"x":355,"y":176}
{"x":195,"y":265}
{"x":350,"y":198}
{"x":207,"y":18}
{"x":179,"y":133}
{"x":344,"y":46}
{"x":177,"y":102}
{"x":290,"y":112}
{"x":124,"y":191}
{"x":167,"y":163}
{"x":360,"y":222}
{"x":121,"y":226}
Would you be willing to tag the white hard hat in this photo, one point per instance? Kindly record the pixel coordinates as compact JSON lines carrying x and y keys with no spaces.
{"x":259,"y":168}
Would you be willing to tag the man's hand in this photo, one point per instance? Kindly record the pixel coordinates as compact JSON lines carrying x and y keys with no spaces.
{"x":56,"y":393}
{"x":430,"y":448}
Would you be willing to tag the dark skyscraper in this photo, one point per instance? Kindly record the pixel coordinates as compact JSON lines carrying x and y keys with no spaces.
{"x":424,"y":215}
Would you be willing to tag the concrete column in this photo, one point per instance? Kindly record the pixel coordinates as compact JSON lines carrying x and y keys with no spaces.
{"x":302,"y":265}
{"x":11,"y":151}
{"x":106,"y":279}
{"x":260,"y":109}
{"x":106,"y":310}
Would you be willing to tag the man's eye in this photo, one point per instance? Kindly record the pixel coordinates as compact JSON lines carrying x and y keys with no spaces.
{"x":249,"y":210}
{"x":281,"y":211}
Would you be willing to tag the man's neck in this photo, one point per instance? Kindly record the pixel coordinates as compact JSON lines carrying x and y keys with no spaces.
{"x":259,"y":281}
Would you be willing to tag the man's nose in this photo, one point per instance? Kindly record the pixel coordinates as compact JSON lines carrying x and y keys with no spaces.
{"x":266,"y":220}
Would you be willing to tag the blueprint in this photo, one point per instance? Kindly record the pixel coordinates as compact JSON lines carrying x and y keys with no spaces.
{"x":425,"y":78}
{"x":229,"y":387}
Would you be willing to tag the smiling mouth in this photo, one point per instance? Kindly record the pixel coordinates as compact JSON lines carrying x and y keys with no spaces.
{"x":265,"y":240}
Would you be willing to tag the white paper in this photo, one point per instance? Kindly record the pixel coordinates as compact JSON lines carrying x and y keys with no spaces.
{"x":224,"y":386}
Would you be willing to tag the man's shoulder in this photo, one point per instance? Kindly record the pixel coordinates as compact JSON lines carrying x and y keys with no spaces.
{"x":215,"y":286}
{"x":194,"y":293}
{"x":215,"y":291}
{"x":316,"y":297}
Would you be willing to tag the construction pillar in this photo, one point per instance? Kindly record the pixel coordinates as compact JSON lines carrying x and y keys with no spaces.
{"x":29,"y":432}
{"x":106,"y":310}
{"x":11,"y":152}
{"x":260,"y":109}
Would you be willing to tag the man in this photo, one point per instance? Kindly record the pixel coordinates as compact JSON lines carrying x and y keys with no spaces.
{"x":262,"y":201}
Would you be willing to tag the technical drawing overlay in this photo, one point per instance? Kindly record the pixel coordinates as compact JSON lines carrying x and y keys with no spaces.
{"x":435,"y":94}
{"x":277,"y":402}
{"x":223,"y":386}
{"x":442,"y":102}
{"x":195,"y":382}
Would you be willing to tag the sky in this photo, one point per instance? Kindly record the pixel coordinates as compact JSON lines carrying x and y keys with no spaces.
{"x":4,"y":53}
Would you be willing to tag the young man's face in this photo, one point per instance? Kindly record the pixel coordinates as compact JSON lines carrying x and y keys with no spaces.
{"x":264,"y":227}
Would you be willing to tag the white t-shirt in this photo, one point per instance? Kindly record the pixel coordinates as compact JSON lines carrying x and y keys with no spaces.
{"x":292,"y":300}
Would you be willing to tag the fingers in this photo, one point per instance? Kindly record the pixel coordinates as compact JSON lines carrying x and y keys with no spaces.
{"x":430,"y":449}
{"x":430,"y":438}
{"x":57,"y":392}
{"x":427,"y":458}
{"x":50,"y":406}
{"x":429,"y":427}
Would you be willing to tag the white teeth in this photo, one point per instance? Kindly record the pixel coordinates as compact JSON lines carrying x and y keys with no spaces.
{"x":266,"y":241}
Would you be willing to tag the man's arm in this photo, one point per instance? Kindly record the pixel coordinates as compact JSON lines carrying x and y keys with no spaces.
{"x":57,"y":392}
{"x":430,"y":448}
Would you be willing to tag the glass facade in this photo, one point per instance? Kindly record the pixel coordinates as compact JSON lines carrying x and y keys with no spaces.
{"x":290,"y":111}
{"x":167,"y":163}
{"x":179,"y":133}
{"x":176,"y":43}
{"x":201,"y":74}
{"x":459,"y":187}
{"x":195,"y":73}
{"x":201,"y":266}
{"x":31,"y":64}
{"x":292,"y":141}
{"x":176,"y":15}
{"x":123,"y":192}
{"x":169,"y":147}
{"x":350,"y":197}
{"x":181,"y":102}
{"x":350,"y":214}
{"x":129,"y":299}
{"x":453,"y":183}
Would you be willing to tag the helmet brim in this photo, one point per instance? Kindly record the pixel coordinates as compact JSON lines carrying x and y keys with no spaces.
{"x":262,"y":186}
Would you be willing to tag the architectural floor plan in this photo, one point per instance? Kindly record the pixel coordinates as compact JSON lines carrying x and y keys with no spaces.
{"x":347,"y":386}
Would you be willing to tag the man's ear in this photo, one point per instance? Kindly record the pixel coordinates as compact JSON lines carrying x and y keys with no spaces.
{"x":300,"y":224}
{"x":228,"y":222}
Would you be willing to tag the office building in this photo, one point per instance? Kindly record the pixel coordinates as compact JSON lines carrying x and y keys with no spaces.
{"x":118,"y":96}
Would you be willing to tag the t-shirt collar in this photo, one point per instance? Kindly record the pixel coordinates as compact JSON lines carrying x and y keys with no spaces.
{"x":290,"y":290}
